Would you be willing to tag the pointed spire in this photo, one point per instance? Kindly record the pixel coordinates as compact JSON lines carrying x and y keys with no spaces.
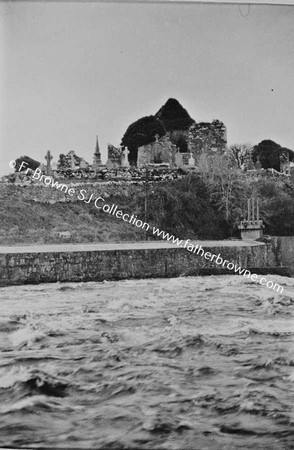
{"x":97,"y":151}
{"x":97,"y":155}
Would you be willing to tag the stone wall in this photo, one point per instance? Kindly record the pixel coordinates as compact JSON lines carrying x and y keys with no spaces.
{"x":176,"y":135}
{"x":205,"y":137}
{"x":37,"y":192}
{"x":114,"y":157}
{"x":160,"y":151}
{"x":29,"y":267}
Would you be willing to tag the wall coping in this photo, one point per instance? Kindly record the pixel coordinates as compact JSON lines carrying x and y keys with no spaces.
{"x":142,"y":245}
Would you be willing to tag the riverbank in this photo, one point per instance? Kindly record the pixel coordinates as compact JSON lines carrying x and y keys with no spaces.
{"x":187,"y":208}
{"x":132,"y":260}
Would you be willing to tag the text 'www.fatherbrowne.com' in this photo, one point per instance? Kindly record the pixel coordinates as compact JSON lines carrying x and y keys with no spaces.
{"x":198,"y":249}
{"x":114,"y":210}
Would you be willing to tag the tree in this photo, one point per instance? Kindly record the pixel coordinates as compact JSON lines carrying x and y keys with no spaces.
{"x":277,"y":201}
{"x":182,"y":208}
{"x":170,"y":117}
{"x":173,"y":116}
{"x":228,"y":191}
{"x":30,"y":164}
{"x":269,"y":153}
{"x":237,"y":153}
{"x":139,"y":133}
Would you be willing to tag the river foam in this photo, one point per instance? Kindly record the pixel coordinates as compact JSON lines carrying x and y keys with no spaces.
{"x":197,"y":362}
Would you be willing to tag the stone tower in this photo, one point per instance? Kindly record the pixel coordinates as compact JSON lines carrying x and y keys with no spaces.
{"x":97,"y":156}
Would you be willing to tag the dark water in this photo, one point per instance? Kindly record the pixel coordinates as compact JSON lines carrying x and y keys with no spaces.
{"x":186,"y":363}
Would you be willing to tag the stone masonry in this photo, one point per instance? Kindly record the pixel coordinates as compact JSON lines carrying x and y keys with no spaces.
{"x":31,"y":267}
{"x":209,"y":138}
{"x":160,"y":151}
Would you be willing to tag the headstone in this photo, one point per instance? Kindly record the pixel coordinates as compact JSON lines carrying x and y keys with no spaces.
{"x":191,"y":162}
{"x":109,"y":164}
{"x":48,"y":158}
{"x":83,"y":164}
{"x":179,"y":159}
{"x":258,"y":165}
{"x":125,"y":159}
{"x":72,"y":161}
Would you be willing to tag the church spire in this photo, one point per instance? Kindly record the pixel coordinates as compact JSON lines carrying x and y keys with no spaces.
{"x":97,"y":151}
{"x":97,"y":154}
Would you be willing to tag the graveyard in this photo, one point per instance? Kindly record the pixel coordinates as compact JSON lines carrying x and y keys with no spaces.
{"x":171,"y":171}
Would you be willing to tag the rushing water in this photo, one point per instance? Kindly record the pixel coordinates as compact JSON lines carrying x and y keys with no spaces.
{"x":186,"y":363}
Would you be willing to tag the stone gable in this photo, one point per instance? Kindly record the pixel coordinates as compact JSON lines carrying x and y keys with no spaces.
{"x":160,"y":151}
{"x":206,"y":137}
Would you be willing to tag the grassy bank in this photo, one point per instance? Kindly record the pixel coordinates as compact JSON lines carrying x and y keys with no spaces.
{"x":208,"y":205}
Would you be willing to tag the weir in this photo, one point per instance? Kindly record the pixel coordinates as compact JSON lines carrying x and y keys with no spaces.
{"x":157,"y":259}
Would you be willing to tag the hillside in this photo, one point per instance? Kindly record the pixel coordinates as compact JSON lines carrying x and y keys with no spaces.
{"x":207,"y":205}
{"x":27,"y":217}
{"x":27,"y":221}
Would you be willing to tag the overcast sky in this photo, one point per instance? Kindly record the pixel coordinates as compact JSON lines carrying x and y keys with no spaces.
{"x":70,"y":71}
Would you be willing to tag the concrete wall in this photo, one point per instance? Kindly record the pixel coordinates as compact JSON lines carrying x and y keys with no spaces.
{"x":99,"y":265}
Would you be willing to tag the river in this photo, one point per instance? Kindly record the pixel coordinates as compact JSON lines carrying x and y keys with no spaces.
{"x":184,"y":363}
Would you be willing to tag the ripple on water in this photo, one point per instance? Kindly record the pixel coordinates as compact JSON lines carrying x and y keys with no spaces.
{"x":197,"y":362}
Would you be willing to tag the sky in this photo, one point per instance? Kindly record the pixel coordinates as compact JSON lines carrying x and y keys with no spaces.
{"x":71,"y":71}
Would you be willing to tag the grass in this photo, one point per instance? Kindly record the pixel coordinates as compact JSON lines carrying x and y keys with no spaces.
{"x":29,"y":222}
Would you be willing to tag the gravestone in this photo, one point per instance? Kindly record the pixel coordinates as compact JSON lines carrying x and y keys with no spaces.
{"x":83,"y":164}
{"x":72,"y":161}
{"x":191,"y":162}
{"x":48,"y":158}
{"x":258,"y":165}
{"x":125,"y":160}
{"x":179,"y":159}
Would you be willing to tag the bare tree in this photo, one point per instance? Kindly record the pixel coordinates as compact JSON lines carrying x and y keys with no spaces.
{"x":237,"y":153}
{"x":226,"y":188}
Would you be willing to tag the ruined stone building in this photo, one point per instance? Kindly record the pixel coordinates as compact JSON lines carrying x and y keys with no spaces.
{"x":114,"y":157}
{"x":71,"y":161}
{"x":162,"y":151}
{"x":159,"y":138}
{"x":170,"y":137}
{"x":203,"y":137}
